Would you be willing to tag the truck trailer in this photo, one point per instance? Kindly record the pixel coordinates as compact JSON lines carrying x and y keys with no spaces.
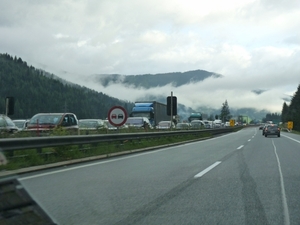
{"x":153,"y":110}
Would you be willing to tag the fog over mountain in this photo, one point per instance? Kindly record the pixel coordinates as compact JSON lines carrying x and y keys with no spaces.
{"x":176,"y":79}
{"x":196,"y":90}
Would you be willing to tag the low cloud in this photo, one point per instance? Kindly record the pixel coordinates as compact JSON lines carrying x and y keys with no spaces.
{"x":253,"y":44}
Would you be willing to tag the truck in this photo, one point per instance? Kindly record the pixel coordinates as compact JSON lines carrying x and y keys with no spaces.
{"x":195,"y":116}
{"x":153,"y":110}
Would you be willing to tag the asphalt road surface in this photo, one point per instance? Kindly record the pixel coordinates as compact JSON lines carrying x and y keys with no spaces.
{"x":239,"y":178}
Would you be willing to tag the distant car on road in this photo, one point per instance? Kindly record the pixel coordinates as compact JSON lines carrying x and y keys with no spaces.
{"x":197,"y":124}
{"x":7,"y":125}
{"x":91,"y":124}
{"x":272,"y":130}
{"x":21,"y":124}
{"x":182,"y":126}
{"x":49,"y":121}
{"x":164,"y":125}
{"x":227,"y":124}
{"x":207,"y":124}
{"x":138,"y":122}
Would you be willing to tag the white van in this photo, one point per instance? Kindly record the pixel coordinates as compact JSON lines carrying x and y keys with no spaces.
{"x":217,"y":123}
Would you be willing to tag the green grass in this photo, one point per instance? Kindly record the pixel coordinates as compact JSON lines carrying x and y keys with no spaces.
{"x":34,"y":157}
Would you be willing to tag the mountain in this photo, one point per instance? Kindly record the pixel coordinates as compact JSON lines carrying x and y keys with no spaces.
{"x":155,"y":80}
{"x":37,"y":91}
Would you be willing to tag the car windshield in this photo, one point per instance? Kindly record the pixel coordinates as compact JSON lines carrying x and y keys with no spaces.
{"x":47,"y":119}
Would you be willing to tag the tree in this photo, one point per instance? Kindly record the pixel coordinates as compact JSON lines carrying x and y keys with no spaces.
{"x":294,"y":110}
{"x":225,"y":112}
{"x":284,"y":113}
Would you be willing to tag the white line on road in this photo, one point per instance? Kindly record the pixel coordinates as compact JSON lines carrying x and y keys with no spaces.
{"x":207,"y":169}
{"x":290,"y":138}
{"x":240,"y":147}
{"x":249,"y":140}
{"x":283,"y":195}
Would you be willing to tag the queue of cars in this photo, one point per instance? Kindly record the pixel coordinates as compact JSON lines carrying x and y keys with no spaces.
{"x":44,"y":122}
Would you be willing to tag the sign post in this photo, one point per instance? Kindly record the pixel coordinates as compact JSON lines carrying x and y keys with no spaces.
{"x":290,"y":125}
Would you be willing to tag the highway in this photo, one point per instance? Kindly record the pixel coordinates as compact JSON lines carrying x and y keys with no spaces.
{"x":238,"y":178}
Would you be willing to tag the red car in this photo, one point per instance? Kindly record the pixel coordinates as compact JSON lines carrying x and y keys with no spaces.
{"x":49,"y":121}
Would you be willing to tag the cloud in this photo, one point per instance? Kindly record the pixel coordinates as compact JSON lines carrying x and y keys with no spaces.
{"x":254,"y":44}
{"x":258,"y":91}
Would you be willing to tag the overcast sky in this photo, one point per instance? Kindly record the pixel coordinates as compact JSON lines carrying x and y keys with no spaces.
{"x":254,"y":44}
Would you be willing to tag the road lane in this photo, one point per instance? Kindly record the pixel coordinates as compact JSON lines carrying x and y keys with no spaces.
{"x":160,"y":187}
{"x":288,"y":151}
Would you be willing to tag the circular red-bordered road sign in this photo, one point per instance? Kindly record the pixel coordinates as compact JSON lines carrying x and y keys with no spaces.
{"x":117,"y":116}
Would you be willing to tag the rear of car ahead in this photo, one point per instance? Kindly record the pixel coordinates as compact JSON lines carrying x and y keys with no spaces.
{"x":272,"y":130}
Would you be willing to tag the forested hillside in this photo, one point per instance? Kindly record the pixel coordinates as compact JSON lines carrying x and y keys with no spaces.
{"x":292,"y":112}
{"x":34,"y":92}
{"x":156,"y":80}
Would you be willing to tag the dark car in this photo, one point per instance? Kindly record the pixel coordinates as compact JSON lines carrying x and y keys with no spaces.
{"x":272,"y":130}
{"x":7,"y":125}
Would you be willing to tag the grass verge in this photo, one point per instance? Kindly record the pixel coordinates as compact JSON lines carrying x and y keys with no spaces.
{"x":34,"y":157}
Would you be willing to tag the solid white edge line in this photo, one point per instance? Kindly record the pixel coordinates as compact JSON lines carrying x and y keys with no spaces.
{"x":240,"y":147}
{"x":207,"y":169}
{"x":283,"y":195}
{"x":290,"y":138}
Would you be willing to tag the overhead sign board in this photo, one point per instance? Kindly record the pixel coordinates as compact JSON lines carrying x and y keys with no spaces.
{"x":117,"y":116}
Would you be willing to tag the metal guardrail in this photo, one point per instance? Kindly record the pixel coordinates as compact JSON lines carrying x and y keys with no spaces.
{"x":11,"y":144}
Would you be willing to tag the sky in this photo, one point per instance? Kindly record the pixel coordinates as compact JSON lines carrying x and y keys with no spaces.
{"x":253,"y":44}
